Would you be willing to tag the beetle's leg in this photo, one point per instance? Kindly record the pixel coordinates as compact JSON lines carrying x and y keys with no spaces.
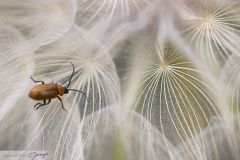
{"x":38,"y":105}
{"x":62,"y":103}
{"x":48,"y":101}
{"x":42,"y":104}
{"x":35,"y":80}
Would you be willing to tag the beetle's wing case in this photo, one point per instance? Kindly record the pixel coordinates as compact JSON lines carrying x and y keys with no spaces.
{"x":44,"y":91}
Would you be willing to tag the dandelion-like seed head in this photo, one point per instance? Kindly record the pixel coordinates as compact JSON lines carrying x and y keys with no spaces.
{"x":164,"y":66}
{"x":94,"y":75}
{"x":91,"y":63}
{"x":208,"y":19}
{"x":94,"y":70}
{"x":212,"y":28}
{"x":171,"y":89}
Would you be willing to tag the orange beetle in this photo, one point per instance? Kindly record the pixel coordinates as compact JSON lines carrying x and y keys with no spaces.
{"x":49,"y":91}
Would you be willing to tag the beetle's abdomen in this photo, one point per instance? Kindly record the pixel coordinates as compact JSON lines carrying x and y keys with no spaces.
{"x":44,"y":91}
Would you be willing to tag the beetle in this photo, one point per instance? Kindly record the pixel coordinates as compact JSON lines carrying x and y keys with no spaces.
{"x":51,"y":90}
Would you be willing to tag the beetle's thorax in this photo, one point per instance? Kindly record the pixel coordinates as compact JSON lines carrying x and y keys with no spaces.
{"x":61,"y":90}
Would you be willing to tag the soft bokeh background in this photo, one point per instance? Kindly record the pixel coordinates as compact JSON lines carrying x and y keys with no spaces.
{"x":162,"y":78}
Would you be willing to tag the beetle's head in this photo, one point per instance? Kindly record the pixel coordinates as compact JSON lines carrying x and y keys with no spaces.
{"x":65,"y":90}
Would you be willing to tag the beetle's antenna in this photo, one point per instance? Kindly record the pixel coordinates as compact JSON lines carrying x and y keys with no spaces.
{"x":69,"y":82}
{"x":80,"y":92}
